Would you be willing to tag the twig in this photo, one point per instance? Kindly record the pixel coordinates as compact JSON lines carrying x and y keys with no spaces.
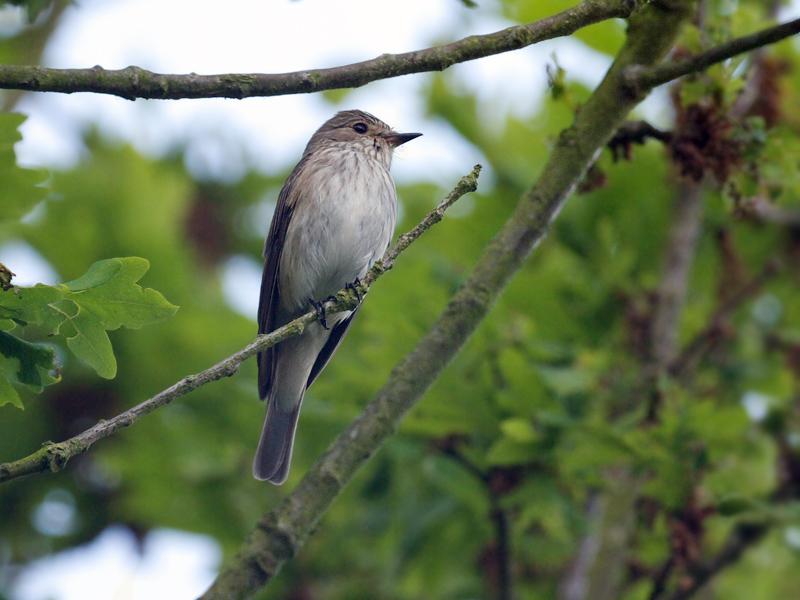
{"x":53,"y":456}
{"x":499,"y":516}
{"x":640,"y":77}
{"x":761,"y":209}
{"x":135,"y":82}
{"x":635,"y":132}
{"x":662,"y":577}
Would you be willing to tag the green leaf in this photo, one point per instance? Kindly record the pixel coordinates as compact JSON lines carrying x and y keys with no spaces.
{"x":108,"y":291}
{"x":508,"y":452}
{"x":24,"y":363}
{"x":736,"y":504}
{"x":106,"y":297}
{"x":519,"y":430}
{"x":8,"y":395}
{"x":32,"y":306}
{"x":21,"y":188}
{"x":89,"y":342}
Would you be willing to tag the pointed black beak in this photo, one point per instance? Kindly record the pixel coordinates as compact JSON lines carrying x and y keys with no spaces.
{"x":398,"y":139}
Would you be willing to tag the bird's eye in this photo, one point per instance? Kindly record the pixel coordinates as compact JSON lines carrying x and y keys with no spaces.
{"x":360,"y":127}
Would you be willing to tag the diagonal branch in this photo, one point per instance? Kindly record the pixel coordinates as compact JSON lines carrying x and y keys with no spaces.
{"x":53,"y":456}
{"x":640,"y":77}
{"x":135,"y":82}
{"x":282,"y":531}
{"x":743,"y":537}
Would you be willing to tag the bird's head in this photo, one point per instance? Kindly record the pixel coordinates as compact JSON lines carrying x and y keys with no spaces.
{"x":360,"y":131}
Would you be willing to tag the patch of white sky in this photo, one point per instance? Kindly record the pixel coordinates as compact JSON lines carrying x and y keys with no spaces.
{"x":167,"y":564}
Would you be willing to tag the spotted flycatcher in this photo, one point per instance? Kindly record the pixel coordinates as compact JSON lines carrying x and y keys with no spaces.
{"x":335,"y":217}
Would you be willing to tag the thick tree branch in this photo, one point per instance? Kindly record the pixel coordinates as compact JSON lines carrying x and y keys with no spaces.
{"x":282,"y":531}
{"x":640,"y":77}
{"x":135,"y":82}
{"x":53,"y":456}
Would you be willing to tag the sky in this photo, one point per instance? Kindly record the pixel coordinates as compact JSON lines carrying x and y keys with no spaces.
{"x":223,"y":139}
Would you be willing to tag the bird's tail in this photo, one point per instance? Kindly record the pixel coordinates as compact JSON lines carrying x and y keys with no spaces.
{"x":274,"y":453}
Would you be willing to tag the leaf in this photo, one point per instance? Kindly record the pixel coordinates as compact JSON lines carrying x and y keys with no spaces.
{"x":106,"y":297}
{"x":32,"y":306}
{"x":735,"y":504}
{"x":24,"y":363}
{"x":21,"y":188}
{"x":519,"y":430}
{"x":508,"y":452}
{"x":8,"y":395}
{"x":90,"y":343}
{"x":108,"y":291}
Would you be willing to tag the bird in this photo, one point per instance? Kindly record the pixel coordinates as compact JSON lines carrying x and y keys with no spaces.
{"x":335,"y":216}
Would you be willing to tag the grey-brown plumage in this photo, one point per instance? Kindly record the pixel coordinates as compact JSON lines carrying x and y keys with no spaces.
{"x":335,"y":217}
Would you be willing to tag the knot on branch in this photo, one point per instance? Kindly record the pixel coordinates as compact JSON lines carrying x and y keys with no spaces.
{"x":282,"y":544}
{"x":56,"y":456}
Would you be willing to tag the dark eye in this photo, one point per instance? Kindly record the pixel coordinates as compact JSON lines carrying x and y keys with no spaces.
{"x":360,"y":127}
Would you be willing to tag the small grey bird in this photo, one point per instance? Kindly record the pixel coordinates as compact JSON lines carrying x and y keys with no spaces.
{"x":335,"y":217}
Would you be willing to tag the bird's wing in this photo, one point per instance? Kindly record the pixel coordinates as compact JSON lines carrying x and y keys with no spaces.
{"x":270,"y":290}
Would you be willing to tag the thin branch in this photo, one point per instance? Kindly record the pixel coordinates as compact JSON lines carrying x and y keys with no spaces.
{"x":53,"y":456}
{"x":505,"y":589}
{"x":743,"y":537}
{"x":135,"y":82}
{"x":639,"y":77}
{"x":635,"y":132}
{"x":662,"y":577}
{"x":284,"y":530}
{"x":763,"y":210}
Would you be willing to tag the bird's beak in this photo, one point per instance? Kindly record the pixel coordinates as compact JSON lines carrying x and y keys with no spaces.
{"x":398,"y":139}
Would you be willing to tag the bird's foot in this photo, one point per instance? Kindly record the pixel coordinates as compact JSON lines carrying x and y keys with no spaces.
{"x":355,"y":286}
{"x":319,"y":308}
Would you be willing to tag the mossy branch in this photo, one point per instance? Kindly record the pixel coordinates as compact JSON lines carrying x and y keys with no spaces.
{"x":53,"y":456}
{"x":135,"y":82}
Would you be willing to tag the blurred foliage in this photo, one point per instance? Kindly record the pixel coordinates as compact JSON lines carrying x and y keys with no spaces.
{"x":543,"y":403}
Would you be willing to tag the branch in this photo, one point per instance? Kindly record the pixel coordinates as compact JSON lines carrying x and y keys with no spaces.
{"x":135,"y":82}
{"x":762,"y":210}
{"x":640,"y":77}
{"x":635,"y":132}
{"x":743,"y":537}
{"x":282,"y":531}
{"x":53,"y":456}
